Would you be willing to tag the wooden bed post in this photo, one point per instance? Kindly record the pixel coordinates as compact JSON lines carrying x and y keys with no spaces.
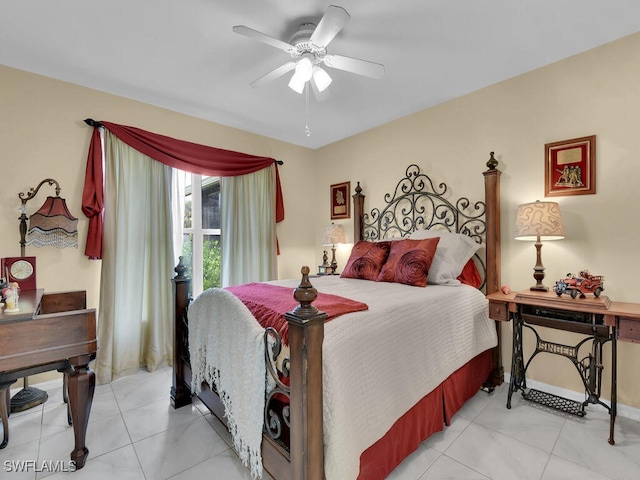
{"x":180,"y":393}
{"x":358,"y":213}
{"x":492,"y":243}
{"x":306,"y":334}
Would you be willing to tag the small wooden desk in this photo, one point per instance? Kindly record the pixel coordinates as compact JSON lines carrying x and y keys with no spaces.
{"x":600,"y":319}
{"x":51,"y":332}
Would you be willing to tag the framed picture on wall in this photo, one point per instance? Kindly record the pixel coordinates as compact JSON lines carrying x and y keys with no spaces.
{"x":340,"y":200}
{"x":570,"y":167}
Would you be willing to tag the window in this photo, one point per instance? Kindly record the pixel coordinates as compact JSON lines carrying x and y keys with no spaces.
{"x":202,"y":243}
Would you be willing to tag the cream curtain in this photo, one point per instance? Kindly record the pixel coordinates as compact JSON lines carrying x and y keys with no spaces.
{"x":248,"y":227}
{"x":178,"y":182}
{"x":135,"y":315}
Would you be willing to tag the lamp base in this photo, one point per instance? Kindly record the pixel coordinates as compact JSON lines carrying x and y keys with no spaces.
{"x":334,"y":264}
{"x":27,"y":398}
{"x":539,"y":288}
{"x":538,"y":270}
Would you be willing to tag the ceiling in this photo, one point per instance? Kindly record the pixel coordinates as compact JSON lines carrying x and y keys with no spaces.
{"x":184,"y":56}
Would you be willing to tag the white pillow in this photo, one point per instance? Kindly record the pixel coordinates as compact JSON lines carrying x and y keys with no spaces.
{"x":453,"y":252}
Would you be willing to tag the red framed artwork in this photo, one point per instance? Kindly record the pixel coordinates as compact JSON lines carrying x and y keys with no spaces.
{"x":570,"y":167}
{"x":340,"y":200}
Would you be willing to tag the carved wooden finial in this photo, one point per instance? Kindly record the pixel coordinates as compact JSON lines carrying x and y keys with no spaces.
{"x":492,"y":163}
{"x":304,"y":294}
{"x":180,"y":268}
{"x":358,"y":188}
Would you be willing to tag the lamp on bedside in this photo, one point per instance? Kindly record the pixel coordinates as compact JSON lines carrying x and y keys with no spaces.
{"x":539,"y":221}
{"x":332,"y":235}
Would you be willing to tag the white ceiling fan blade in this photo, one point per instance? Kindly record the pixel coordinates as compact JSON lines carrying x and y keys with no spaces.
{"x":273,"y":74}
{"x":331,"y":23}
{"x":263,"y":37}
{"x":354,"y":65}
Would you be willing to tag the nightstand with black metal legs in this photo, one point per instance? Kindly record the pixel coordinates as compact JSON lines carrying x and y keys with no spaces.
{"x":598,"y":319}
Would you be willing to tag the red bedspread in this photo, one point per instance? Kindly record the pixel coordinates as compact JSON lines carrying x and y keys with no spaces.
{"x":268,"y":303}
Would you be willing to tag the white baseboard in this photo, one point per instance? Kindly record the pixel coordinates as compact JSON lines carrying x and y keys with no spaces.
{"x":623,"y":410}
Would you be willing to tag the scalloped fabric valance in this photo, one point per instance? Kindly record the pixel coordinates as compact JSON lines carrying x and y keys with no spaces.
{"x":180,"y":154}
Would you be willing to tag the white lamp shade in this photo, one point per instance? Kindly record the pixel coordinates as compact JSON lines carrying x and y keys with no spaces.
{"x":539,"y":220}
{"x":297,"y":83}
{"x":333,"y":234}
{"x":304,"y":67}
{"x":303,"y":73}
{"x":322,"y":78}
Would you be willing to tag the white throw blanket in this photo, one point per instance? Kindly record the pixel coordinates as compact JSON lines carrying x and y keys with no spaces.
{"x":228,"y":352}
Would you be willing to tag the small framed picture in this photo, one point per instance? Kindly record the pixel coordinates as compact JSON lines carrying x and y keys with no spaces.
{"x":570,"y":167}
{"x":340,"y":200}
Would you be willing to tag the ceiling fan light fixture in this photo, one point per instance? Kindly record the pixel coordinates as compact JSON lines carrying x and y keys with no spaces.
{"x":322,"y":78}
{"x":303,"y":73}
{"x":297,"y":83}
{"x":304,"y":68}
{"x":308,"y":48}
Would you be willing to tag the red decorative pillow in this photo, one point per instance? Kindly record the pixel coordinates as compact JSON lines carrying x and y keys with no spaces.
{"x":366,"y":260}
{"x":409,"y":262}
{"x":470,"y":274}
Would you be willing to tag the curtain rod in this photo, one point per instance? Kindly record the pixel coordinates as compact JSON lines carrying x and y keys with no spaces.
{"x":92,"y":123}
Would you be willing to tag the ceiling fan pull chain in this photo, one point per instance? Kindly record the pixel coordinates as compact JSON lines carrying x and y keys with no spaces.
{"x":306,"y":130}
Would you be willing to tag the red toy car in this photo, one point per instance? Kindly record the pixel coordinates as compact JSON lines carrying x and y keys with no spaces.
{"x":581,"y":284}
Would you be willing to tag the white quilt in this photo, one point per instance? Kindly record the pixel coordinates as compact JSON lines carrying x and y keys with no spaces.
{"x":378,"y":364}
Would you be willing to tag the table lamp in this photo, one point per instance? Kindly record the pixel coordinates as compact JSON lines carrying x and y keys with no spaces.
{"x":332,"y":235}
{"x":538,"y":221}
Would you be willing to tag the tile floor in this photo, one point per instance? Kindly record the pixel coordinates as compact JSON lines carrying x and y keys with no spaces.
{"x":131,"y":437}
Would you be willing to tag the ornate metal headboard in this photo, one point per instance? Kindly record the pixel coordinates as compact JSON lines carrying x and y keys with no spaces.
{"x":417,"y":203}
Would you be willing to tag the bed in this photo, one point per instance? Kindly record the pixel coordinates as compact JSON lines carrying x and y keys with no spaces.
{"x":315,"y":425}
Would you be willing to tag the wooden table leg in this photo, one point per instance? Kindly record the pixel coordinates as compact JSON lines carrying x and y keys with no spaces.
{"x":5,"y":409}
{"x":65,"y":392}
{"x":614,"y":386}
{"x":82,"y":384}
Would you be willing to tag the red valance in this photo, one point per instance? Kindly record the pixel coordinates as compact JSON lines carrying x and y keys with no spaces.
{"x":180,"y":154}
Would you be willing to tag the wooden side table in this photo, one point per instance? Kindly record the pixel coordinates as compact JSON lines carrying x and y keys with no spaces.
{"x":598,"y":319}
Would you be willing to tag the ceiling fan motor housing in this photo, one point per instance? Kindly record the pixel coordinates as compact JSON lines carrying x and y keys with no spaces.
{"x":301,"y":41}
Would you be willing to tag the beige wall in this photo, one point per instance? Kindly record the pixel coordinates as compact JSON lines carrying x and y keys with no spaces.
{"x":595,"y":93}
{"x":42,"y":134}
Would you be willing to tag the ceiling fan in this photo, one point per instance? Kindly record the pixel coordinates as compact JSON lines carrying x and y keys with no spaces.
{"x":308,"y":50}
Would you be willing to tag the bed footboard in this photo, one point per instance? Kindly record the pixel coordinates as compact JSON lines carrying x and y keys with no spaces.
{"x":303,"y":457}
